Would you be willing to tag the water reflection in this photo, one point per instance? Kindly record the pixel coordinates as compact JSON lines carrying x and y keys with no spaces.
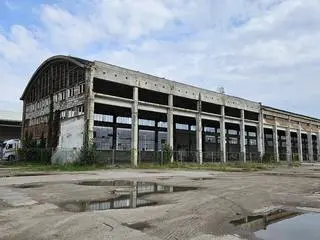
{"x":304,"y":226}
{"x":282,"y":225}
{"x":132,"y":199}
{"x":257,"y":222}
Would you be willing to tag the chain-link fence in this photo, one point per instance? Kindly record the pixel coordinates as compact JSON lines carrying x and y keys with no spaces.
{"x":117,"y":157}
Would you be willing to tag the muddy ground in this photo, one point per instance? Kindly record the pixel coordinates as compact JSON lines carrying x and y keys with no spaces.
{"x":31,"y":207}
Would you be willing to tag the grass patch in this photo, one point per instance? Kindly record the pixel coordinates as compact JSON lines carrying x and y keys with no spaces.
{"x":74,"y":167}
{"x":69,"y":167}
{"x":227,"y":167}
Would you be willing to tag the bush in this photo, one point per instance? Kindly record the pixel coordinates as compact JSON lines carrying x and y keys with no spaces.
{"x":39,"y":155}
{"x":295,"y":157}
{"x":167,"y":154}
{"x":268,"y":158}
{"x":88,"y":154}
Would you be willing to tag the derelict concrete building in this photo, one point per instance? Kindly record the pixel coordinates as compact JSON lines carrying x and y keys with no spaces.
{"x":71,"y":102}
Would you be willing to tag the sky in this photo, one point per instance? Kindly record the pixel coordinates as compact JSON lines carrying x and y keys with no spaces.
{"x":263,"y":50}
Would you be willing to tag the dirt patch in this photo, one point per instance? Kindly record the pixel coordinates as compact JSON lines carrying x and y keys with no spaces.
{"x":31,"y":185}
{"x":295,"y":175}
{"x":203,"y":179}
{"x":13,"y":174}
{"x":140,"y":226}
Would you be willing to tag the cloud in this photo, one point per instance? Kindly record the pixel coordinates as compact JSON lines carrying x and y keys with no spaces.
{"x":264,"y":50}
{"x":11,"y":5}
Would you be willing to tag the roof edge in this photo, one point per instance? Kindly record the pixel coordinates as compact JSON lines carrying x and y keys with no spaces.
{"x":78,"y":61}
{"x":291,"y":113}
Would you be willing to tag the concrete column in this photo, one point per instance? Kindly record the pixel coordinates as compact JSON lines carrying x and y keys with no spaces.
{"x":242,"y":138}
{"x":134,"y":128}
{"x":310,"y":147}
{"x":275,"y":142}
{"x":288,"y":144}
{"x":170,"y":124}
{"x":300,"y":144}
{"x":260,"y":135}
{"x":114,"y":132}
{"x":223,"y":136}
{"x":156,"y":137}
{"x":199,"y":132}
{"x":318,"y":146}
{"x":88,"y":138}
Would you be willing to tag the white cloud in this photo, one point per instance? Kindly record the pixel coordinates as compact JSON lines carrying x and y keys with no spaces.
{"x":264,"y":50}
{"x":11,"y":5}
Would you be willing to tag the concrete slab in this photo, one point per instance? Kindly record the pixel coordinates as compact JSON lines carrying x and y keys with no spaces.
{"x":34,"y":213}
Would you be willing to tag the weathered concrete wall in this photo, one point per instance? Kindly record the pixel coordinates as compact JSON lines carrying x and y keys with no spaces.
{"x":71,"y":133}
{"x":70,"y":141}
{"x":146,"y":81}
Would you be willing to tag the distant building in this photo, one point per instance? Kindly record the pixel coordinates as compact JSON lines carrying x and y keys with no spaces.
{"x":72,"y":102}
{"x":10,"y":125}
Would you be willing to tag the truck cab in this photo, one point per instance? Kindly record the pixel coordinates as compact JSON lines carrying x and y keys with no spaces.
{"x":10,"y":149}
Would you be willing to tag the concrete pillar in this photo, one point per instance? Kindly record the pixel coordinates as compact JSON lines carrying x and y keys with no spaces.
{"x":156,"y":137}
{"x":88,"y":138}
{"x":170,"y":127}
{"x":288,"y":144}
{"x":300,"y":144}
{"x":275,"y":142}
{"x":223,"y":136}
{"x":310,"y":147}
{"x":260,"y":135}
{"x":242,"y":138}
{"x":199,"y":132}
{"x":114,"y":132}
{"x":134,"y":128}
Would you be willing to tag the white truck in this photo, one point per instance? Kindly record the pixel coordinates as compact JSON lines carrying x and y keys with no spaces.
{"x":10,"y":149}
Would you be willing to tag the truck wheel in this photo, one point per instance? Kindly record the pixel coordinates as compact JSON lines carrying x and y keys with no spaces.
{"x":11,"y":158}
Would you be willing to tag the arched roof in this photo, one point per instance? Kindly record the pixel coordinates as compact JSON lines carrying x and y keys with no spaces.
{"x":78,"y":61}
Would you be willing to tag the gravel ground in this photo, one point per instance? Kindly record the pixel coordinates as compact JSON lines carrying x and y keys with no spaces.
{"x":34,"y":212}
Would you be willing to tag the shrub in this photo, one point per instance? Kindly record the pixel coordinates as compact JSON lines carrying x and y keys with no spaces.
{"x":88,"y":154}
{"x":167,"y":153}
{"x":268,"y":158}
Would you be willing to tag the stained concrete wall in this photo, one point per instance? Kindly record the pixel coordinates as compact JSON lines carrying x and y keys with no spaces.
{"x":145,"y":81}
{"x":71,"y":133}
{"x":70,"y":140}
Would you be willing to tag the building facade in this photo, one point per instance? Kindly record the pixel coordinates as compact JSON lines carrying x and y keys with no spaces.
{"x":10,"y":125}
{"x":72,"y":102}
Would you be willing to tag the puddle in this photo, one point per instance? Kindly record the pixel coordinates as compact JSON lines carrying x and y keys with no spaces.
{"x":26,"y":174}
{"x":281,"y":224}
{"x":164,"y":178}
{"x":138,"y":226}
{"x":203,"y":179}
{"x":32,"y":185}
{"x":132,"y":198}
{"x":106,"y":183}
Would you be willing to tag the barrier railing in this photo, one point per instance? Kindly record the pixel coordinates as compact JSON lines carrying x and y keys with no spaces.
{"x":114,"y":157}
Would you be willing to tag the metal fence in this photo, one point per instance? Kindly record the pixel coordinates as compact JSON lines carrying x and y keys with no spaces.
{"x":115,"y":157}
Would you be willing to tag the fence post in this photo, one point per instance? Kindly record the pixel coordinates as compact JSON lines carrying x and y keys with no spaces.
{"x":212,"y":157}
{"x":113,"y":156}
{"x":161,"y":157}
